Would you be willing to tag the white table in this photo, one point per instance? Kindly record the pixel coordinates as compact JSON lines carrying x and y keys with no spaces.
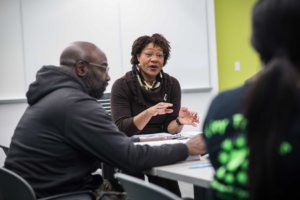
{"x":183,"y":171}
{"x":200,"y":177}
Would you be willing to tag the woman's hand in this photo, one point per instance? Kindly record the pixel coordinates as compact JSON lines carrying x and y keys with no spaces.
{"x":187,"y":117}
{"x":160,"y":109}
{"x":142,"y":119}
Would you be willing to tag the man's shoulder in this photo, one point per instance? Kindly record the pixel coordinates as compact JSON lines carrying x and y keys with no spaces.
{"x":230,"y":95}
{"x":226,"y":103}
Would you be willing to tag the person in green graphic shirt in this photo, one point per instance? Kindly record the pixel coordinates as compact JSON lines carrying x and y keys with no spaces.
{"x":252,"y":132}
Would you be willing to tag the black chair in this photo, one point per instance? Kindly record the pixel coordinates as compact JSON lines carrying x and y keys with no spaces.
{"x":79,"y":195}
{"x":4,"y":148}
{"x":138,"y":189}
{"x":105,"y":102}
{"x":108,"y":171}
{"x":14,"y":187}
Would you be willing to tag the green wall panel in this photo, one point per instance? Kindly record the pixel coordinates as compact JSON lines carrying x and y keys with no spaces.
{"x":233,"y":32}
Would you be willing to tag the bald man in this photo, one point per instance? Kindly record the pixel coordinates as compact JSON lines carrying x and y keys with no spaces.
{"x":65,"y":134}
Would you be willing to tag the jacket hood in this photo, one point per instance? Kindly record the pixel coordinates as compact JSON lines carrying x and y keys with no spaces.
{"x":49,"y":79}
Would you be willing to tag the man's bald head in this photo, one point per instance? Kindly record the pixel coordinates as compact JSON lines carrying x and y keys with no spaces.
{"x":81,"y":50}
{"x":87,"y":62}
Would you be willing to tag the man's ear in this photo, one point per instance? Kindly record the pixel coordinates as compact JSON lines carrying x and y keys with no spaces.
{"x":81,"y":69}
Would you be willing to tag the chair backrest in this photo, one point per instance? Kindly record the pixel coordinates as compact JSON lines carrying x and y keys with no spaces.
{"x":105,"y":102}
{"x":4,"y":148}
{"x":138,"y":189}
{"x":14,"y":187}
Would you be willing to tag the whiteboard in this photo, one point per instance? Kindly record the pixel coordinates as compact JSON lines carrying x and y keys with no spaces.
{"x":183,"y":23}
{"x":12,"y":78}
{"x":36,"y":31}
{"x":50,"y":26}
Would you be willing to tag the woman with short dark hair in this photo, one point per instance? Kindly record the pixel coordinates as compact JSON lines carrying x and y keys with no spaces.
{"x":147,"y":100}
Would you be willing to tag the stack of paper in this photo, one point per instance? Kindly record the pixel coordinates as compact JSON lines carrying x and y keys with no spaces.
{"x":170,"y":139}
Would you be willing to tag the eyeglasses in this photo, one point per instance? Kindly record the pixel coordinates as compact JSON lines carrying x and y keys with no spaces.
{"x":105,"y":68}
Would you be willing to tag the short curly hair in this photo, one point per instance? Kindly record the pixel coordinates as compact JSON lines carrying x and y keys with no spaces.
{"x":140,"y":43}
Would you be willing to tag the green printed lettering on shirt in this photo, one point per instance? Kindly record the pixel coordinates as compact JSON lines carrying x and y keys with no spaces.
{"x":221,"y":187}
{"x":243,"y":194}
{"x":240,"y":142}
{"x":239,"y":121}
{"x":238,"y":157}
{"x":229,"y":178}
{"x":228,"y":191}
{"x":285,"y":148}
{"x":242,"y":177}
{"x":216,"y":127}
{"x":223,"y":157}
{"x":221,"y":172}
{"x":245,"y":164}
{"x":227,"y":145}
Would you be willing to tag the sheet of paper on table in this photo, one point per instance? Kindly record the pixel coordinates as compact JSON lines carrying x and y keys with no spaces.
{"x":172,"y":139}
